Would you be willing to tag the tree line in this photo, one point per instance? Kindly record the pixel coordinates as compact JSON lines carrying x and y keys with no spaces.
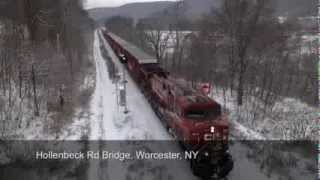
{"x":45,"y":54}
{"x":243,"y":46}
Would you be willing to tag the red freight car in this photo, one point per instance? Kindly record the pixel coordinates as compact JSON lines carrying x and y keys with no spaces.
{"x":130,"y":54}
{"x":190,"y":116}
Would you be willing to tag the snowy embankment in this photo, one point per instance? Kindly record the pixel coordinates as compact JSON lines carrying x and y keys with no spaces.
{"x":239,"y":131}
{"x":19,"y":122}
{"x":26,"y":126}
{"x":110,"y":122}
{"x":270,"y":139}
{"x":288,"y":119}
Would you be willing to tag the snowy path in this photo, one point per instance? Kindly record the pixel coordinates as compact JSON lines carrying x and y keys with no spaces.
{"x":140,"y":123}
{"x":108,"y":122}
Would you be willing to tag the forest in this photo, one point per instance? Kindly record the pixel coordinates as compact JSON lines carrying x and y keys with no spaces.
{"x":251,"y":55}
{"x":45,"y":62}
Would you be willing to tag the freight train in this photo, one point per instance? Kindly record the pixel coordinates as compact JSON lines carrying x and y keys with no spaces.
{"x":193,"y":118}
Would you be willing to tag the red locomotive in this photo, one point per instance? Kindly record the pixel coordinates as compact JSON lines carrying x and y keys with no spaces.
{"x":190,"y":116}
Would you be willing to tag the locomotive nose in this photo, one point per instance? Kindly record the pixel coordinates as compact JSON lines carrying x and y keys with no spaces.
{"x":216,"y":133}
{"x":208,"y":131}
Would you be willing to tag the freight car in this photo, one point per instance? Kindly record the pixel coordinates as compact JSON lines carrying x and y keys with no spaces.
{"x":194,"y":119}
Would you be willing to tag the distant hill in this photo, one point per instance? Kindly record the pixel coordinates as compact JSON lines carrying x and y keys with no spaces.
{"x":195,"y":8}
{"x":134,"y":10}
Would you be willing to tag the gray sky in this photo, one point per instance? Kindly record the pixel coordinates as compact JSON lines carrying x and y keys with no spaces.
{"x":110,"y":3}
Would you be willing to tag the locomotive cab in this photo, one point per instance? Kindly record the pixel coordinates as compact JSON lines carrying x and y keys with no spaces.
{"x":205,"y":129}
{"x":202,"y":120}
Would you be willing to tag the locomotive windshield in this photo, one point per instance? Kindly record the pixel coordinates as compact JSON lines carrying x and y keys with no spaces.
{"x":203,"y":113}
{"x":196,"y":114}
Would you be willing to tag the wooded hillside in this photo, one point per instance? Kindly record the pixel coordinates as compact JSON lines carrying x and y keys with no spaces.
{"x":45,"y":58}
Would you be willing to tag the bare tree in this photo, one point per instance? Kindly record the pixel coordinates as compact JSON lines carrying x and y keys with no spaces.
{"x":240,"y":19}
{"x":28,"y":47}
{"x":153,"y":32}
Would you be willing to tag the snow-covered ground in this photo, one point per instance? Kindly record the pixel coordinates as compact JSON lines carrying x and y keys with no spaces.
{"x":289,"y":119}
{"x":110,"y":123}
{"x":105,"y":120}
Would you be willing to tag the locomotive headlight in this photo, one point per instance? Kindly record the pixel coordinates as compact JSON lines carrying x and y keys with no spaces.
{"x":206,"y":153}
{"x":212,"y":129}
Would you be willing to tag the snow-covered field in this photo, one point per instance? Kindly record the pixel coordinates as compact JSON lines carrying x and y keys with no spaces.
{"x":272,"y":135}
{"x":105,"y":120}
{"x":110,"y":123}
{"x":289,"y":119}
{"x":144,"y":125}
{"x":18,"y":121}
{"x":109,"y":120}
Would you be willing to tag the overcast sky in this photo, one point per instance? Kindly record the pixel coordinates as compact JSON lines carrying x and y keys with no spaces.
{"x":110,"y":3}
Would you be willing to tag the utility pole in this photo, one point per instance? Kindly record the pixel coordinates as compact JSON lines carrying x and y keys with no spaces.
{"x":124,"y":82}
{"x":122,"y":99}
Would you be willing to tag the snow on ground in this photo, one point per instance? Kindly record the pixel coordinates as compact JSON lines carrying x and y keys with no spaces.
{"x":18,"y":121}
{"x":79,"y":129}
{"x":104,"y":120}
{"x":245,"y":168}
{"x":109,"y":123}
{"x":41,"y":128}
{"x":239,"y":131}
{"x":140,"y":123}
{"x":289,"y":119}
{"x":247,"y":132}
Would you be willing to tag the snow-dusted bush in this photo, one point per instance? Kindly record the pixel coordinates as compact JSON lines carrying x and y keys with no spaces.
{"x":295,"y":120}
{"x":286,"y":119}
